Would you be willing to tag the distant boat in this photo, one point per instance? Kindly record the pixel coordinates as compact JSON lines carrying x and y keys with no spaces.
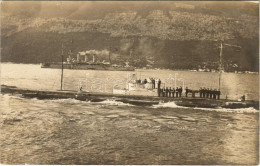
{"x":79,"y":64}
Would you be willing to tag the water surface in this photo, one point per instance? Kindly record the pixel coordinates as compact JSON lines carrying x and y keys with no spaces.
{"x":74,"y":132}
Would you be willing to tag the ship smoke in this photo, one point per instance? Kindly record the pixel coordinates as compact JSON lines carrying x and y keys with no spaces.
{"x":97,"y":52}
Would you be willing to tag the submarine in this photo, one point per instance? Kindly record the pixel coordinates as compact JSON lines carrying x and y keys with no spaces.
{"x":134,"y":99}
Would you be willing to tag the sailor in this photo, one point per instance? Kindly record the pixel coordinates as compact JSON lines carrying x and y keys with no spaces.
{"x":207,"y":92}
{"x":163,"y":92}
{"x":200,"y":91}
{"x":153,"y":83}
{"x":218,"y":94}
{"x":180,"y":90}
{"x":243,"y":98}
{"x":159,"y":83}
{"x":166,"y":92}
{"x":210,"y":93}
{"x":173,"y":92}
{"x":145,"y":81}
{"x":214,"y":93}
{"x":186,"y":91}
{"x":203,"y":92}
{"x":149,"y":83}
{"x":170,"y":91}
{"x":177,"y":91}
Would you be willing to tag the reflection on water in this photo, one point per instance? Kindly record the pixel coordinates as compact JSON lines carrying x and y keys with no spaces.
{"x":32,"y":76}
{"x":75,"y":132}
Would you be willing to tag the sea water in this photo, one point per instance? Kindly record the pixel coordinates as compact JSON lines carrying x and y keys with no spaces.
{"x":68,"y":131}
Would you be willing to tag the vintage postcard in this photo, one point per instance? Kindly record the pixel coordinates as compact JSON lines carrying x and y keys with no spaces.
{"x":129,"y":83}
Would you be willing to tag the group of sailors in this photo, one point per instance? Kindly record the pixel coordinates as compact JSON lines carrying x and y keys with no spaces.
{"x":209,"y":93}
{"x":203,"y":92}
{"x":155,"y":83}
{"x":170,"y":92}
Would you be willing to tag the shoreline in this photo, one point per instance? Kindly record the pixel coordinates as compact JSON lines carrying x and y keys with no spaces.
{"x":153,"y":69}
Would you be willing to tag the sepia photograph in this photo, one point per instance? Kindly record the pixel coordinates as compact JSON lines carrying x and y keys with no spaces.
{"x":129,"y":83}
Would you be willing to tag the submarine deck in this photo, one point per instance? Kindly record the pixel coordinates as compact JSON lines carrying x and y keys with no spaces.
{"x":131,"y":99}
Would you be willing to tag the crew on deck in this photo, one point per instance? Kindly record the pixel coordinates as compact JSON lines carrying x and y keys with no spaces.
{"x":209,"y":93}
{"x":156,"y":83}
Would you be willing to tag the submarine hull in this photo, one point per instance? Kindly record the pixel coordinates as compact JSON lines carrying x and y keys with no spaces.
{"x":131,"y":99}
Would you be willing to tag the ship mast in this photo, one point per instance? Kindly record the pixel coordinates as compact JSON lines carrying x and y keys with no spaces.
{"x":220,"y":65}
{"x":109,"y":54}
{"x":61,"y":79}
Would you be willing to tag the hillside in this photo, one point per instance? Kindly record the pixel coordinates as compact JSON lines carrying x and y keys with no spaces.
{"x":176,"y":35}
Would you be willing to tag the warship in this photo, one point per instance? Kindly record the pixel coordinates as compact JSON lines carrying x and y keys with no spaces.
{"x":88,"y":62}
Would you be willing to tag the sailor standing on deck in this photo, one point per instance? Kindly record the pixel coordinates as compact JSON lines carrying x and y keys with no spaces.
{"x":210,"y":93}
{"x":153,"y":83}
{"x":243,"y":98}
{"x":167,"y":92}
{"x":145,"y":81}
{"x":177,"y":91}
{"x":214,"y":93}
{"x":149,"y":83}
{"x":159,"y":84}
{"x":163,"y":91}
{"x":173,"y":92}
{"x":159,"y":87}
{"x":218,"y":94}
{"x":203,"y":92}
{"x":170,"y":91}
{"x":186,"y":91}
{"x":180,"y":90}
{"x":200,"y":90}
{"x":207,"y":93}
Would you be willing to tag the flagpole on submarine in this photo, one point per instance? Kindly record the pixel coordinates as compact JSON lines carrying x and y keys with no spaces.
{"x":220,"y":65}
{"x":61,"y":79}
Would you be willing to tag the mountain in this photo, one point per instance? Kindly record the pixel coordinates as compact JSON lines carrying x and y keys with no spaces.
{"x":175,"y":35}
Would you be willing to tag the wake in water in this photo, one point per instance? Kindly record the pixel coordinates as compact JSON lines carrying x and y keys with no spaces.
{"x":9,"y":96}
{"x":167,"y":105}
{"x":119,"y":103}
{"x":75,"y":101}
{"x":114,"y":102}
{"x":72,"y":101}
{"x":220,"y":109}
